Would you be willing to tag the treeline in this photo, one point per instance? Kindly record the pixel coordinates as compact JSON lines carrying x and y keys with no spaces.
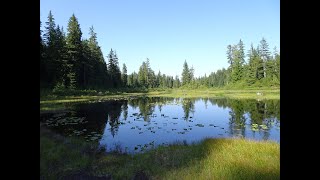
{"x":262,"y":67}
{"x":67,"y":61}
{"x":147,"y":78}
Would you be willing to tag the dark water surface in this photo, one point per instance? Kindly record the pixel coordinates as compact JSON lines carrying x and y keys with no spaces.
{"x":138,"y":124}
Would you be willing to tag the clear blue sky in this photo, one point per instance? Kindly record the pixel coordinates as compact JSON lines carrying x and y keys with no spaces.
{"x":170,"y":31}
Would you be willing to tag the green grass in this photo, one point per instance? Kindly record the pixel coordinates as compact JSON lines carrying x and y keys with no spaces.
{"x":209,"y":159}
{"x":60,"y":156}
{"x":46,"y":102}
{"x":239,"y":94}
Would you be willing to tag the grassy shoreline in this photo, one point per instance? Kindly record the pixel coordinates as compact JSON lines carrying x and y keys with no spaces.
{"x":50,"y":102}
{"x":210,"y":158}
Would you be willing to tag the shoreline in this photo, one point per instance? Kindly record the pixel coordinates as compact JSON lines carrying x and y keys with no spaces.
{"x":227,"y":157}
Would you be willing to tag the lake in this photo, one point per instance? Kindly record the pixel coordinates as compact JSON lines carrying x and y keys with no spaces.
{"x":138,"y":124}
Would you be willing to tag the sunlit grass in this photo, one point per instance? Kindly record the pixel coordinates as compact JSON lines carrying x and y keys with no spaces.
{"x":64,"y":100}
{"x":235,"y":94}
{"x":239,"y":94}
{"x":209,"y":159}
{"x":232,"y":159}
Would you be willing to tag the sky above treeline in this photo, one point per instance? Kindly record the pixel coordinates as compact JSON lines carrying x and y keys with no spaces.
{"x":169,"y":32}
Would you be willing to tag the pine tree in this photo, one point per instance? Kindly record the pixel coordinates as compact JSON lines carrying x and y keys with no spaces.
{"x":74,"y":46}
{"x":117,"y":71}
{"x":142,"y":75}
{"x":260,"y":64}
{"x":236,"y":59}
{"x":185,"y":74}
{"x":158,"y":79}
{"x":62,"y":59}
{"x":236,"y":66}
{"x":265,"y":55}
{"x":68,"y":76}
{"x":135,"y":79}
{"x":114,"y":70}
{"x":252,"y":66}
{"x":87,"y":59}
{"x":124,"y":75}
{"x":151,"y":77}
{"x":50,"y":50}
{"x":98,"y":74}
{"x":229,"y":55}
{"x":191,"y":74}
{"x":111,"y":68}
{"x":49,"y":36}
{"x":241,"y":52}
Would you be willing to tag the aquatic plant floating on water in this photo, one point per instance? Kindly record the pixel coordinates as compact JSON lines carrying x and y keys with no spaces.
{"x":200,"y":125}
{"x":264,"y":127}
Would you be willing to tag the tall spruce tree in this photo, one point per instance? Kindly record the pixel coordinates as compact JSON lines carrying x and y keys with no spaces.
{"x":151,"y":77}
{"x":236,"y":58}
{"x":76,"y":72}
{"x":98,"y":74}
{"x":124,"y":75}
{"x":260,"y":64}
{"x":252,"y":66}
{"x":158,"y":79}
{"x":143,"y":74}
{"x":241,"y":52}
{"x":191,"y":73}
{"x":117,"y":72}
{"x":229,"y":55}
{"x":87,"y":59}
{"x":265,"y":55}
{"x":114,"y":70}
{"x":62,"y":59}
{"x":50,"y":50}
{"x":185,"y":74}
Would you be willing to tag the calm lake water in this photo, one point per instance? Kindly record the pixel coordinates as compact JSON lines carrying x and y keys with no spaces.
{"x":138,"y":124}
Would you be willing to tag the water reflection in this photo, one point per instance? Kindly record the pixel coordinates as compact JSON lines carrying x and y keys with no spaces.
{"x":137,"y":122}
{"x":188,"y":106}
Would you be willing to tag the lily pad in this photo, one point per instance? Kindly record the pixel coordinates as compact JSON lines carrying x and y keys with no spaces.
{"x":263,"y":126}
{"x":200,"y":125}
